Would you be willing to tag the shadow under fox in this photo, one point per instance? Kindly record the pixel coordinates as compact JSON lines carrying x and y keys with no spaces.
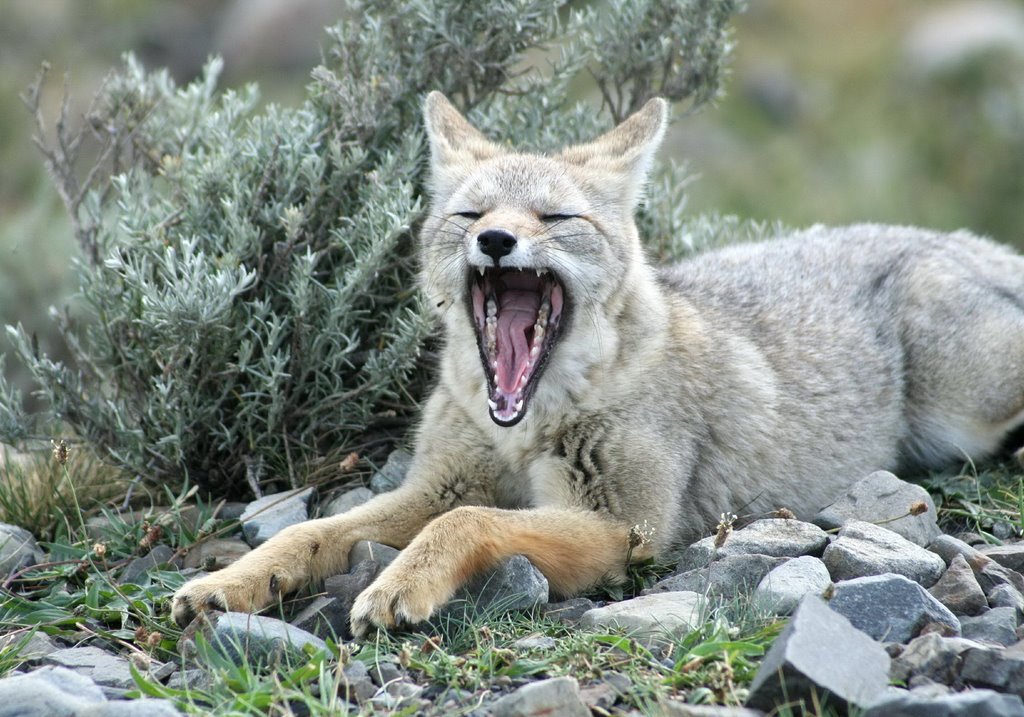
{"x":584,"y":392}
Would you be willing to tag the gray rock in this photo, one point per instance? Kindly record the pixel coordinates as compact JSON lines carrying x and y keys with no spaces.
{"x":1007,"y":596}
{"x":323,"y":617}
{"x":194,"y":679}
{"x":132,"y":708}
{"x":269,"y":515}
{"x":393,"y":473}
{"x":975,"y":703}
{"x":947,"y":547}
{"x":48,"y":691}
{"x":216,"y":553}
{"x":956,"y":37}
{"x":782,"y":589}
{"x":891,"y":607}
{"x":244,"y":637}
{"x":346,"y":501}
{"x":1009,"y":556}
{"x":111,"y":672}
{"x":672,"y":708}
{"x":777,"y":537}
{"x":18,"y":549}
{"x":384,"y":671}
{"x":159,"y":556}
{"x":820,"y":653}
{"x":863,"y":549}
{"x":555,"y":696}
{"x":568,"y":612}
{"x":342,"y":590}
{"x":880,"y":497}
{"x":726,"y":577}
{"x":383,"y":555}
{"x":514,"y":584}
{"x":535,"y":642}
{"x":652,"y":619}
{"x":357,"y":685}
{"x":30,"y":648}
{"x":958,"y":589}
{"x":998,"y":626}
{"x":931,"y":656}
{"x":1002,"y":670}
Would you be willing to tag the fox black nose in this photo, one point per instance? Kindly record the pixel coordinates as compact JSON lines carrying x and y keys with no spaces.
{"x":496,"y":243}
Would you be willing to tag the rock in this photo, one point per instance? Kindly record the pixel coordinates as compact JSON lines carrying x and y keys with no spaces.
{"x":782,"y":589}
{"x":343,"y":590}
{"x":48,"y":691}
{"x":776,"y":537}
{"x":998,"y":626}
{"x":514,"y":584}
{"x":393,"y":473}
{"x":324,"y":617}
{"x":111,"y":672}
{"x":819,"y":653}
{"x":726,"y":577}
{"x":988,"y":573}
{"x":652,"y":619}
{"x":215,"y":553}
{"x":194,"y":679}
{"x":931,"y":656}
{"x":271,"y":514}
{"x":1002,"y":670}
{"x":863,"y":549}
{"x":958,"y":589}
{"x":357,"y":685}
{"x":535,"y":642}
{"x":384,"y":671}
{"x":891,"y":607}
{"x":880,"y":497}
{"x":1009,"y":556}
{"x":383,"y":555}
{"x":159,"y":556}
{"x":953,"y":38}
{"x":975,"y":703}
{"x":30,"y":648}
{"x":568,"y":612}
{"x":555,"y":696}
{"x":346,"y":502}
{"x":252,"y":638}
{"x":18,"y":549}
{"x":1007,"y":596}
{"x":672,"y":708}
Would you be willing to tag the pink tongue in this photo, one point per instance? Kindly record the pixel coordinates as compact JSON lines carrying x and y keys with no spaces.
{"x":516,"y":315}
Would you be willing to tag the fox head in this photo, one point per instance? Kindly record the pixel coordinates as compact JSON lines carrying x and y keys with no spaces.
{"x":518,"y":250}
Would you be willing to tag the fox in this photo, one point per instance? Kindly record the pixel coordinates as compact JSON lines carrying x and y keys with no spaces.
{"x":593,"y":408}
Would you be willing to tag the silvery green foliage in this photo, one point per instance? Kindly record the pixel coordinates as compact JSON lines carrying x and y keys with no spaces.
{"x":248,"y":273}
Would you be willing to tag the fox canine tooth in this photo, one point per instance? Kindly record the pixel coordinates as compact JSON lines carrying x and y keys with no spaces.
{"x":492,"y":404}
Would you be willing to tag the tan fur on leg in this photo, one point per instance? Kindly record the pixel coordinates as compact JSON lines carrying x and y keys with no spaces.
{"x":573,"y":548}
{"x":307,"y":551}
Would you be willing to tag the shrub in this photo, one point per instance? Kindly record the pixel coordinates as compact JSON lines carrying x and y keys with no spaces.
{"x":246,"y":274}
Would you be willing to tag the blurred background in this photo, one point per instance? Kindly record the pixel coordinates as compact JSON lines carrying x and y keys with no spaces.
{"x":866,"y":110}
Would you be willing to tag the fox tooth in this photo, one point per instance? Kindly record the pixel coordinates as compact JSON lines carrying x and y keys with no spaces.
{"x":481,"y":270}
{"x":519,"y":405}
{"x":492,"y":404}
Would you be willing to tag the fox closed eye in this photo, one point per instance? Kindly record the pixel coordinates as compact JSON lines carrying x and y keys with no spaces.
{"x":469,"y":215}
{"x":558,"y":217}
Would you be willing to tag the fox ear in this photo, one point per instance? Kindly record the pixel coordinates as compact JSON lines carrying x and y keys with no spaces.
{"x":628,"y":150}
{"x":455,"y":145}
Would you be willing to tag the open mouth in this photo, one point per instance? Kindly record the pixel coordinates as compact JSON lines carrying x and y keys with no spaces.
{"x":517,"y":314}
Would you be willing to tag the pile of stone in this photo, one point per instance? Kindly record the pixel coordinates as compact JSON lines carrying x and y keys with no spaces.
{"x":887,"y":617}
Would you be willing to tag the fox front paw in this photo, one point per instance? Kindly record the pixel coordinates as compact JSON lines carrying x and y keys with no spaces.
{"x":223,"y":591}
{"x":393,"y":602}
